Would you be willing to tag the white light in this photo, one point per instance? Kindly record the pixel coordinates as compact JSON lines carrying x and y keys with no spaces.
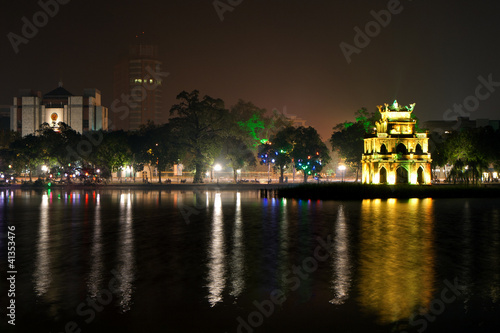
{"x":98,"y":170}
{"x":217,"y":167}
{"x":342,"y":167}
{"x":44,"y":168}
{"x":238,"y":171}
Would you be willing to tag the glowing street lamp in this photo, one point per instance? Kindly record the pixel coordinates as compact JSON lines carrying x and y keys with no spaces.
{"x":217,"y":167}
{"x":342,"y":169}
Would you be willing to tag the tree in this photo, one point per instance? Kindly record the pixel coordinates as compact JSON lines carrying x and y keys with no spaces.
{"x":112,"y":154}
{"x":302,"y":146}
{"x":27,"y":154}
{"x":309,"y":152}
{"x":470,"y":152}
{"x":249,"y":122}
{"x":278,"y":150}
{"x":238,"y":154}
{"x":199,"y":125}
{"x":348,"y":138}
{"x":161,"y":147}
{"x":61,"y":147}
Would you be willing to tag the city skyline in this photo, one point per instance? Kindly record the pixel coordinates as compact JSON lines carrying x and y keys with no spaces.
{"x":320,"y":62}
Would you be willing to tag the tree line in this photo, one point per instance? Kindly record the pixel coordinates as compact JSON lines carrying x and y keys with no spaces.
{"x":200,"y":131}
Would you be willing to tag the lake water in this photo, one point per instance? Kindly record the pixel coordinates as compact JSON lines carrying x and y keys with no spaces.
{"x":196,"y":261}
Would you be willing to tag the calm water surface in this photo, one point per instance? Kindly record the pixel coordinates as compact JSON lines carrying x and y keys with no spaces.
{"x":195,"y":261}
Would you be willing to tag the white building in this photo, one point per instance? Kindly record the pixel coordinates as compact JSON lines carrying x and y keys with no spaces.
{"x":81,"y":113}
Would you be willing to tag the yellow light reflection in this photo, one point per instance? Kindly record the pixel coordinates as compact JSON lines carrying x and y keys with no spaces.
{"x":341,"y":261}
{"x":396,"y":258}
{"x":96,"y":269}
{"x":126,"y":253}
{"x":216,"y":265}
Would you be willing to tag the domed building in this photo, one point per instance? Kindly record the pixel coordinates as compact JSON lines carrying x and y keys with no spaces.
{"x":82,"y":113}
{"x":395,"y":153}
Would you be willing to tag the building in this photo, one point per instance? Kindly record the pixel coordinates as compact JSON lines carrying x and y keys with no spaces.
{"x":395,"y":153}
{"x":82,"y":113}
{"x":446,"y":127}
{"x":4,"y":117}
{"x":297,"y":122}
{"x":137,"y":89}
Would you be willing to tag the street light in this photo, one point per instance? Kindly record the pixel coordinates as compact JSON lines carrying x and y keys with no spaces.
{"x":342,"y":169}
{"x":217,"y":167}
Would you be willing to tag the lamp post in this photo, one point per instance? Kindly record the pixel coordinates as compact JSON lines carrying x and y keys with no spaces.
{"x":342,"y":170}
{"x":217,"y":167}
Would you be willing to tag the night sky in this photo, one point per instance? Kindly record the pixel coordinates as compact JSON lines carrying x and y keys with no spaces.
{"x":276,"y":54}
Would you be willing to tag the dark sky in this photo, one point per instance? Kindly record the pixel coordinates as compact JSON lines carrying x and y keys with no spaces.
{"x":276,"y":54}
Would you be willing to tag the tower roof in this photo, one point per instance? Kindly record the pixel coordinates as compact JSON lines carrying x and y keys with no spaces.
{"x":59,"y":92}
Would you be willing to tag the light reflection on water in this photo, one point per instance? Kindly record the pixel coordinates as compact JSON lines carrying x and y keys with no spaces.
{"x":97,"y":266}
{"x":217,"y":261}
{"x":389,"y":257}
{"x":396,"y":269}
{"x":126,"y":255}
{"x":238,"y":253}
{"x":42,"y":275}
{"x":341,"y":260}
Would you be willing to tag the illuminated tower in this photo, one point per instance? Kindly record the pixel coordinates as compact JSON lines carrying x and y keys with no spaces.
{"x":137,"y":92}
{"x":396,"y":154}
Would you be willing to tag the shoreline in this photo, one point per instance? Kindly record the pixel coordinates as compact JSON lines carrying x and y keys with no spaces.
{"x":162,"y":187}
{"x":301,"y":191}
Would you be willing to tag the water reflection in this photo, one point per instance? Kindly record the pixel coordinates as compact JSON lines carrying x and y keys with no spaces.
{"x":126,"y":256}
{"x":341,"y":260}
{"x":42,"y":275}
{"x":493,"y":252}
{"x":96,"y":269}
{"x":238,"y":254}
{"x":284,"y":243}
{"x":466,"y":253}
{"x":396,"y":265}
{"x":216,"y":264}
